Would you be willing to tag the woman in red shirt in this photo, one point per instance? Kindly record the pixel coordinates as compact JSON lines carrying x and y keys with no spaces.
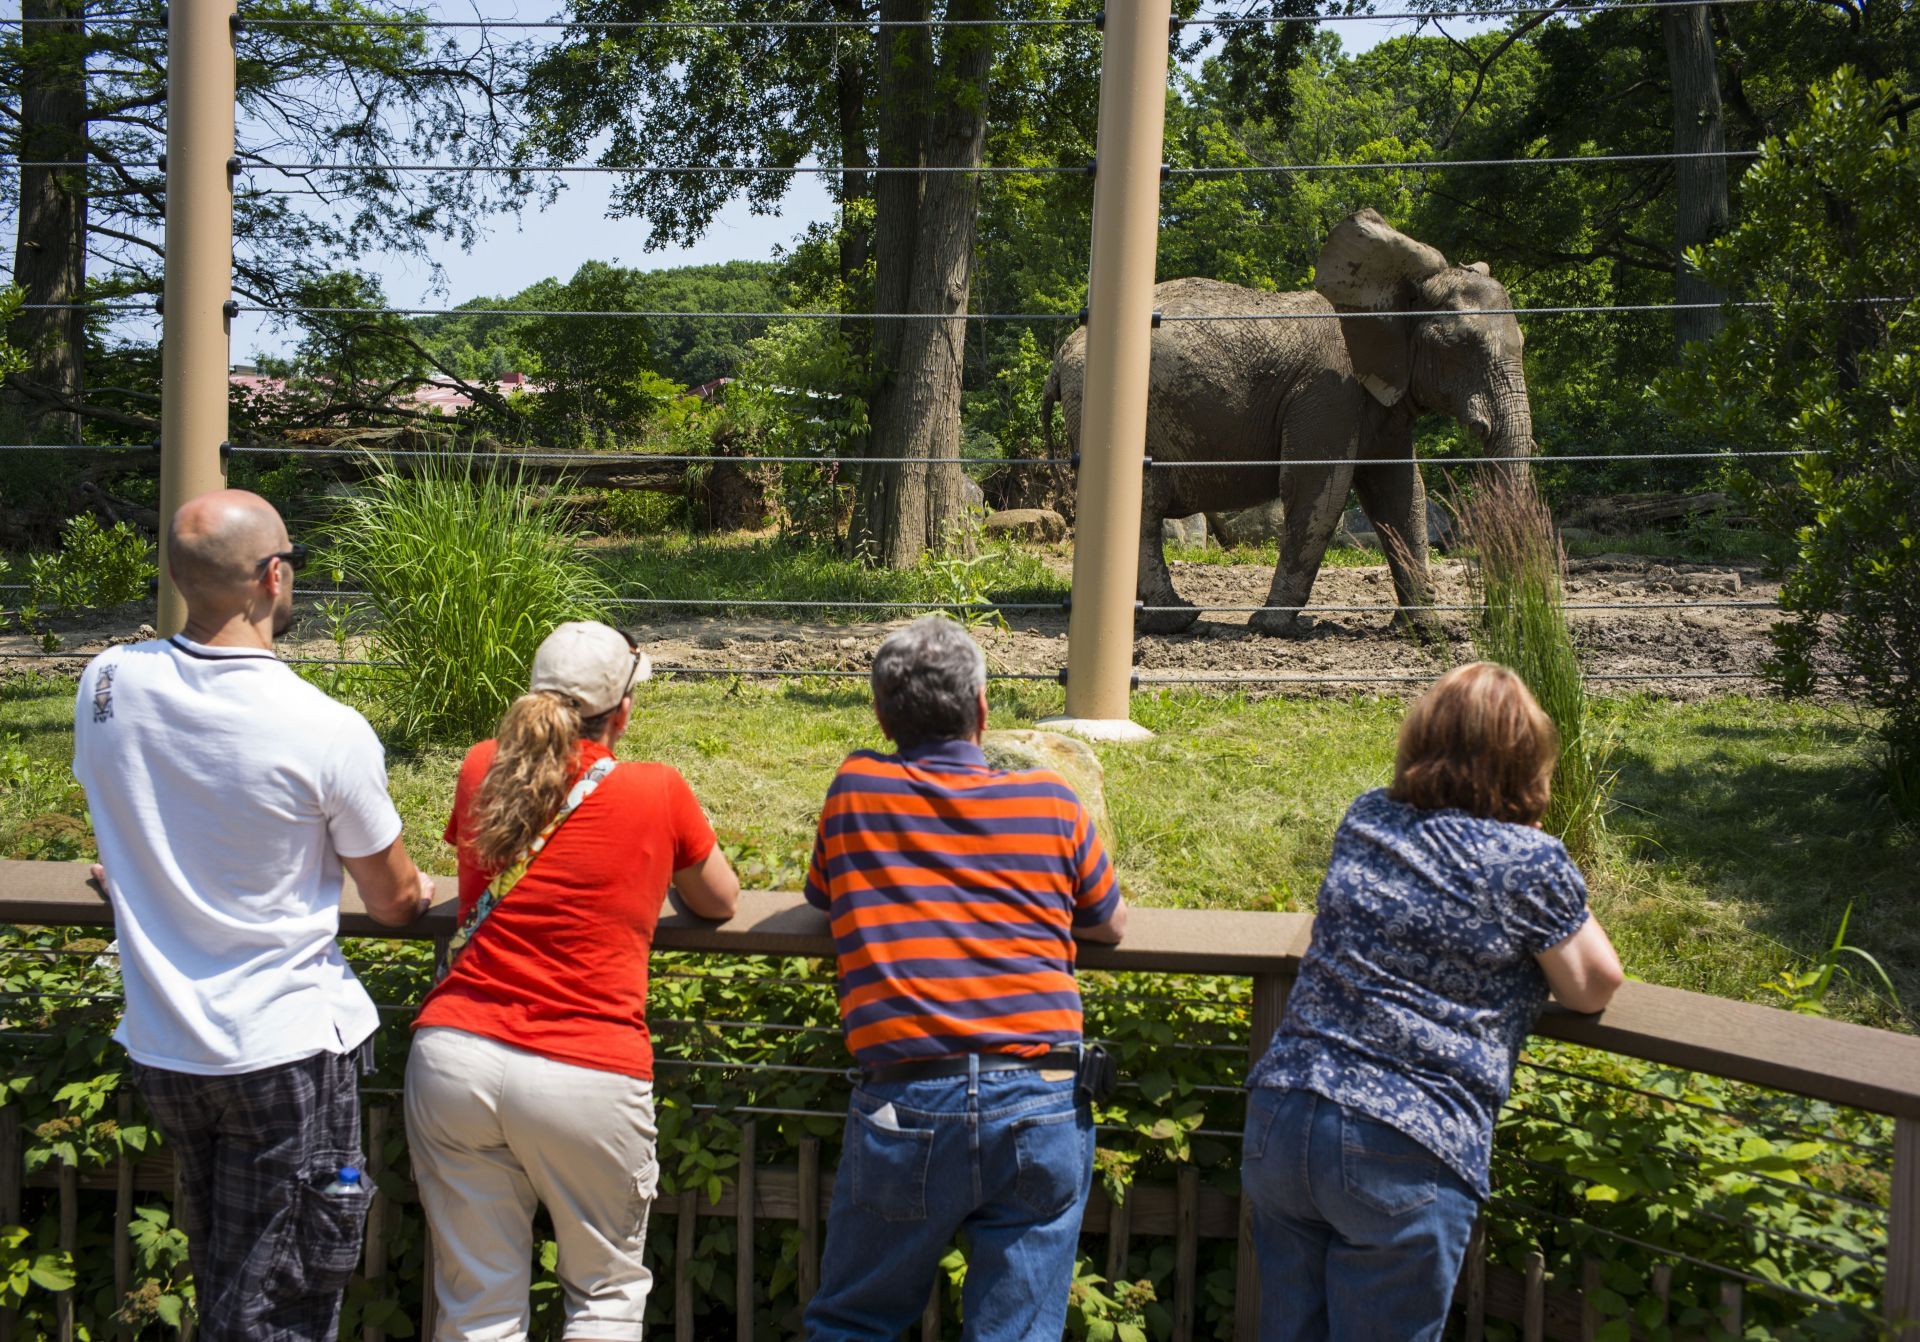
{"x":531,"y":1076}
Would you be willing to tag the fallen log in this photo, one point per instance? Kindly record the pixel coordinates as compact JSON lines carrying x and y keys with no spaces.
{"x":1640,"y":512}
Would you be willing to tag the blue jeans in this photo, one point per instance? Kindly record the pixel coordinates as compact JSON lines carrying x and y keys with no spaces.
{"x":1003,"y":1159}
{"x":1359,"y":1229}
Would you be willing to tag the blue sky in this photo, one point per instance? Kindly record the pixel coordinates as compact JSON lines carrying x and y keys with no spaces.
{"x":517,"y":251}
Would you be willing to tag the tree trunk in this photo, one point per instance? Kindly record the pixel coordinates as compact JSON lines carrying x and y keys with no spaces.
{"x":856,"y":184}
{"x":1700,"y":184}
{"x":904,"y":69}
{"x":912,"y":508}
{"x":49,"y":259}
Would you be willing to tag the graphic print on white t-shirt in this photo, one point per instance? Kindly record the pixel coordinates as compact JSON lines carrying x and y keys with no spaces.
{"x":224,"y":790}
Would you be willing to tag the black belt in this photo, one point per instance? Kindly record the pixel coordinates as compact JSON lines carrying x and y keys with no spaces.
{"x":1064,"y":1059}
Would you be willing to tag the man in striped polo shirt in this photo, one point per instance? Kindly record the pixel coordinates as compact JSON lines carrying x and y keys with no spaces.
{"x":955,"y":893}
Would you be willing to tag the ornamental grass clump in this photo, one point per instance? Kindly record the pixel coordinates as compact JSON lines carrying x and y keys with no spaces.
{"x":466,"y":569}
{"x":1517,"y":576}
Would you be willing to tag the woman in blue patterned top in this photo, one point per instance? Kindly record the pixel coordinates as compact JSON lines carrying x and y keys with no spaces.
{"x":1445,"y":919}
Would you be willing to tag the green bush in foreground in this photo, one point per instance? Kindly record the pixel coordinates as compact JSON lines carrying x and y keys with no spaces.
{"x":1593,"y":1148}
{"x":465,"y":570}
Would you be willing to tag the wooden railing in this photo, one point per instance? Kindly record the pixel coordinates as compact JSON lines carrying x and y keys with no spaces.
{"x":1849,"y":1065}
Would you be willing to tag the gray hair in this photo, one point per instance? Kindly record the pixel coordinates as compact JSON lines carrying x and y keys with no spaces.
{"x":927,"y":680}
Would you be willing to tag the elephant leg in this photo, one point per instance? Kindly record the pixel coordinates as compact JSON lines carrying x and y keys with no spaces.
{"x":1155,"y":585}
{"x":1318,"y":428}
{"x":1394,"y":498}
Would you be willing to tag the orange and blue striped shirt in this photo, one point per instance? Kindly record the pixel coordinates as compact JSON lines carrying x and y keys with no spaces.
{"x":953,"y":890}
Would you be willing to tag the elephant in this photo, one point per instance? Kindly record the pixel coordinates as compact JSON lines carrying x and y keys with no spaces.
{"x":1333,"y":379}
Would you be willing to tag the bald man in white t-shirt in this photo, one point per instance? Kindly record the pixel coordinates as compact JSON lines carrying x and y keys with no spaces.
{"x":227,"y":796}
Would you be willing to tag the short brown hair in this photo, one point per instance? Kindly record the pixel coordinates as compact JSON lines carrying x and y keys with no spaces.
{"x":1479,"y":742}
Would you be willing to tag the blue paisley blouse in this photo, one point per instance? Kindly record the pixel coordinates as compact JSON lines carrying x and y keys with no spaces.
{"x":1420,"y":985}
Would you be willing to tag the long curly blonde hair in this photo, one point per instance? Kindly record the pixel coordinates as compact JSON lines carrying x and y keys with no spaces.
{"x":532,"y":770}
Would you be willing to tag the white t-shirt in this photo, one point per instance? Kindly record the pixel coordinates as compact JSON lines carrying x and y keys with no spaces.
{"x":224,"y":790}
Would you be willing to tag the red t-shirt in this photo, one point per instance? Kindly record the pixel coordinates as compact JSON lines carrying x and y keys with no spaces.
{"x":559,"y":967}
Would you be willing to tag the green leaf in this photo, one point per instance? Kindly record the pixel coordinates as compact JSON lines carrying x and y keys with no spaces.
{"x":53,"y":1272}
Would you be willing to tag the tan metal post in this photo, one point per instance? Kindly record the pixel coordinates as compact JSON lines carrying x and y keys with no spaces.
{"x":1126,"y":234}
{"x":199,"y":272}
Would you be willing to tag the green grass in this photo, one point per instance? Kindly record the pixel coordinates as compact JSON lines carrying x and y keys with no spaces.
{"x":1266,"y":555}
{"x":1744,"y":827}
{"x":749,"y":567}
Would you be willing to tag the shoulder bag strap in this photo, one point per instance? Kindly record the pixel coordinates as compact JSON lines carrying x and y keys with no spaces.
{"x":509,"y":876}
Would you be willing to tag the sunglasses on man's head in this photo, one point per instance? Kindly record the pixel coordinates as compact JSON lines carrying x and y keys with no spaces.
{"x":295,"y":555}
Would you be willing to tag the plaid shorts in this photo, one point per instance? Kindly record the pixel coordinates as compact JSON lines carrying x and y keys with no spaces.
{"x":271,"y":1251}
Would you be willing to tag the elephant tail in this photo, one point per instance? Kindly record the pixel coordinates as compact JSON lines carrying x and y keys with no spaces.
{"x":1049,"y":398}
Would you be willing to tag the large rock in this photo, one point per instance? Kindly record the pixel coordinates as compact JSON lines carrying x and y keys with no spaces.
{"x":1250,"y":526}
{"x":1190,"y":532}
{"x":971,"y":493}
{"x":1027,"y":524}
{"x":1355,"y":531}
{"x":1068,"y":756}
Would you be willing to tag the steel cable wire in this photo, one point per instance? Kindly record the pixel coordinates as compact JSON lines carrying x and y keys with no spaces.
{"x":1768,"y":1232}
{"x":1139,"y":677}
{"x":833,"y":170}
{"x":619,"y":25}
{"x":587,"y":457}
{"x":1721,"y":1269}
{"x":1555,"y":310}
{"x":1738,"y":1115}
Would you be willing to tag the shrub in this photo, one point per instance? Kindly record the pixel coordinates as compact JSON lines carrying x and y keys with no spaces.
{"x":1827,"y":221}
{"x":466,"y":570}
{"x":1517,"y":577}
{"x":92,"y":567}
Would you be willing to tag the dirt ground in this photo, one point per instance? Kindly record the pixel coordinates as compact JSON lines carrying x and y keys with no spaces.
{"x":1649,"y":638}
{"x":1654,"y":644}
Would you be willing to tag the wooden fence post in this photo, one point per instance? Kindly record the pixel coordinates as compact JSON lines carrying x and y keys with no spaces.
{"x":809,"y":1191}
{"x":930,"y":1316}
{"x":429,"y":1282}
{"x":10,"y":1186}
{"x":1186,"y":1247}
{"x":1589,"y":1289}
{"x":1900,"y":1301}
{"x":69,"y":1237}
{"x":1533,"y":1308}
{"x":682,"y":1265}
{"x":743,"y":1235}
{"x":123,"y":1214}
{"x":1119,"y":1232}
{"x":375,"y":1262}
{"x":1474,"y":1310}
{"x":1263,"y":1018}
{"x":1733,"y":1307}
{"x":181,"y":1195}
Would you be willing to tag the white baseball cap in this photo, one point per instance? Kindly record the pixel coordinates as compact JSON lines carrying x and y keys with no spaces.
{"x":591,"y":663}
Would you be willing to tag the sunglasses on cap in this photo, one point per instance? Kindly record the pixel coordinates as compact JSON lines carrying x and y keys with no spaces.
{"x":295,"y":555}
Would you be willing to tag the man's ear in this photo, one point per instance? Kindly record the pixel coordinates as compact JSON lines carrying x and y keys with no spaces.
{"x":277,"y":576}
{"x":885,"y":730}
{"x":980,"y":706}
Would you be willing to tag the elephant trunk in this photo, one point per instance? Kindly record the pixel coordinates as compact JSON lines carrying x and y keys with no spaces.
{"x":1510,"y":432}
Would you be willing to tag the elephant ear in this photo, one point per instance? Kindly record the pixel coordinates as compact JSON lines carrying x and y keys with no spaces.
{"x":1369,"y":266}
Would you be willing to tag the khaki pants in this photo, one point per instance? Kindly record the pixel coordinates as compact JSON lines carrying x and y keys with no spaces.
{"x":494,"y":1131}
